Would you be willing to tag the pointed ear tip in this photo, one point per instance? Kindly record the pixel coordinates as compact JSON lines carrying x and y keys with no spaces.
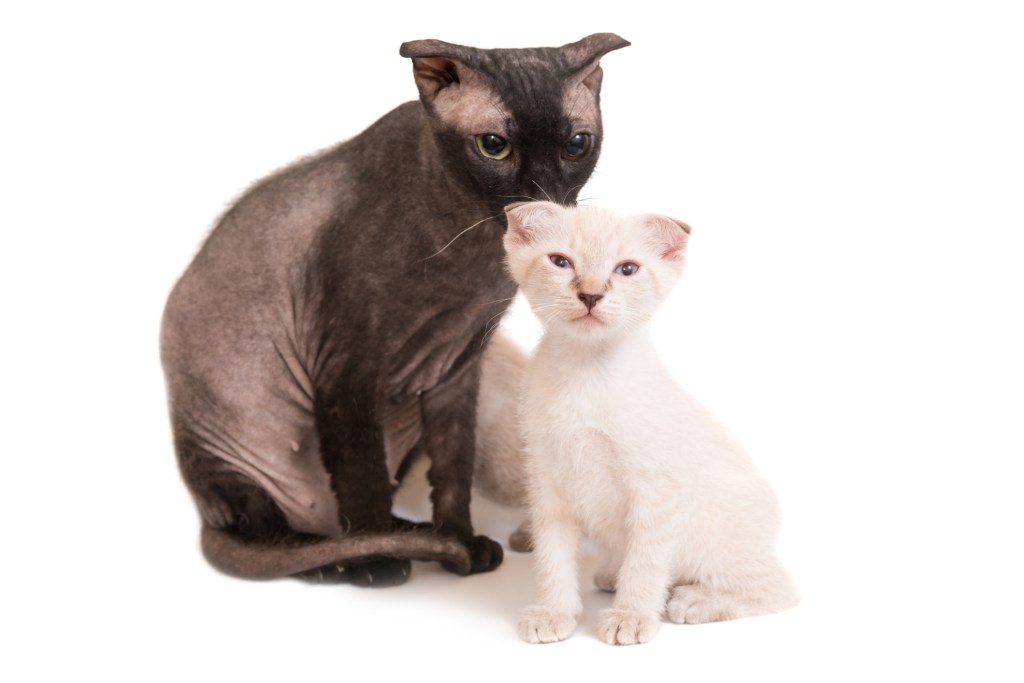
{"x":612,"y":41}
{"x":429,"y":47}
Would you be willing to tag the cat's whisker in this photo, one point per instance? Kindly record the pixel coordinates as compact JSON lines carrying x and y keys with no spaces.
{"x":543,"y":190}
{"x":570,"y":191}
{"x":441,"y":251}
{"x":520,"y":197}
{"x":496,"y":301}
{"x":488,"y":333}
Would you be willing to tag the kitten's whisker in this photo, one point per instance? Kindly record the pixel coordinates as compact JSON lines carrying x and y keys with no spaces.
{"x":482,"y":220}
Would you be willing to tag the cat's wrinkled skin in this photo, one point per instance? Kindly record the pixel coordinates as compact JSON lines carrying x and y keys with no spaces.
{"x":331,"y":326}
{"x":616,"y":452}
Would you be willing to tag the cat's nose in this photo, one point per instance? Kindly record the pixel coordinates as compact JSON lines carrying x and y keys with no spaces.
{"x":590,"y":300}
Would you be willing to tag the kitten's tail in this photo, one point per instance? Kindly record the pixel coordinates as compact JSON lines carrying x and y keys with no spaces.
{"x":235,"y":557}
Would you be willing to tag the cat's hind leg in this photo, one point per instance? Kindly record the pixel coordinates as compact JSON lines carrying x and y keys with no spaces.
{"x":697,"y":603}
{"x":380,"y":572}
{"x":607,"y":570}
{"x":243,"y":515}
{"x":521,"y":540}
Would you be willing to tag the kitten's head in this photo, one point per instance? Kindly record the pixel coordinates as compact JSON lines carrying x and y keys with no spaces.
{"x":590,"y":272}
{"x":514,"y":124}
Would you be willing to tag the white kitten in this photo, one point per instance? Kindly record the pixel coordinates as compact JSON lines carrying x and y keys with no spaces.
{"x":617,"y":452}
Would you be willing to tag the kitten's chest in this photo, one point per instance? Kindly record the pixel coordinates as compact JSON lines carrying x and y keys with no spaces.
{"x":571,"y":401}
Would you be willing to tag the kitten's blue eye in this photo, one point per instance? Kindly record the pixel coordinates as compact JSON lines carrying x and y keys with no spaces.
{"x":628,"y":268}
{"x":560,"y":261}
{"x":493,"y":146}
{"x":577,"y":146}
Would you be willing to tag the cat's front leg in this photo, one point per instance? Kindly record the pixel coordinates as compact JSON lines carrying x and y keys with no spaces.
{"x":642,"y":582}
{"x":559,"y":604}
{"x":449,"y":423}
{"x":352,"y":449}
{"x":556,"y":539}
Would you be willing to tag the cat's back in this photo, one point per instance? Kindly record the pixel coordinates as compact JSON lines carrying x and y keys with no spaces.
{"x":265,"y":238}
{"x":251,"y":276}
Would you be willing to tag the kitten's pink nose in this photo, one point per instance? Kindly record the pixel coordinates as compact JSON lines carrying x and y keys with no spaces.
{"x":590,"y":300}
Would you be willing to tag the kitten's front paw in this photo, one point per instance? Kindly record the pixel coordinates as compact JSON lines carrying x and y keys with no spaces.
{"x":539,"y":624}
{"x":622,"y":627}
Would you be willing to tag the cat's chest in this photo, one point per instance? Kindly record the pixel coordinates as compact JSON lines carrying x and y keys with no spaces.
{"x":569,"y":398}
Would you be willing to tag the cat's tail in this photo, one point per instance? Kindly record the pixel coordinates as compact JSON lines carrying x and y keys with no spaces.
{"x":235,"y":557}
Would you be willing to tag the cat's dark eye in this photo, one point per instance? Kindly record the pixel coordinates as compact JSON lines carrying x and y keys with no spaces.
{"x":577,"y":146}
{"x":560,"y":261}
{"x":628,"y":268}
{"x":493,"y":146}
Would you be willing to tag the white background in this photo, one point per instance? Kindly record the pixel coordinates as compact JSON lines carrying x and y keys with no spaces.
{"x":851,"y":309}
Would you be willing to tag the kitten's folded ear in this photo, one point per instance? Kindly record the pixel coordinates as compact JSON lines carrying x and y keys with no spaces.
{"x":585,"y":55}
{"x":668,"y":236}
{"x":437,"y":65}
{"x":526,"y":218}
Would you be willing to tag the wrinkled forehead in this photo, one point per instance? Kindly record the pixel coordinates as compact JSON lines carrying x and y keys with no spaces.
{"x":539,"y":91}
{"x":527,"y":90}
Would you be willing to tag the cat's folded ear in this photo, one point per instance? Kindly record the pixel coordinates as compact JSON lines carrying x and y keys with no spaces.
{"x":526,"y":218}
{"x":437,"y":65}
{"x":585,"y":55}
{"x":667,"y":235}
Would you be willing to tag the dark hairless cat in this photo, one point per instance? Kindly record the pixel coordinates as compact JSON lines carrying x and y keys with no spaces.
{"x":331,"y":327}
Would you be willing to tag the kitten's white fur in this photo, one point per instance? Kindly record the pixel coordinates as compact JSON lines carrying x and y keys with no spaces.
{"x":617,"y":452}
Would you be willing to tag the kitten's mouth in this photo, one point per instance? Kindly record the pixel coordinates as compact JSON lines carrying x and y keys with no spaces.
{"x":588,"y":319}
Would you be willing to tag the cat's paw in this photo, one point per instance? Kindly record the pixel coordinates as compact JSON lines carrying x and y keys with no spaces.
{"x":215,"y":511}
{"x":379,"y":573}
{"x":605,"y":580}
{"x":622,"y":627}
{"x":539,"y":624}
{"x":521,"y":540}
{"x":401,"y":524}
{"x":695,"y":604}
{"x":484,"y":555}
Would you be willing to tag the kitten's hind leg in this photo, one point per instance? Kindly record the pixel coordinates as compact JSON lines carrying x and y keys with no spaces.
{"x":695,"y":604}
{"x":698,"y":604}
{"x":521,"y":540}
{"x":607,"y":571}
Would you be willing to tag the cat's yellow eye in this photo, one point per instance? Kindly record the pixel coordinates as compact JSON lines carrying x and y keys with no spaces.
{"x":576,"y":147}
{"x":493,"y":146}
